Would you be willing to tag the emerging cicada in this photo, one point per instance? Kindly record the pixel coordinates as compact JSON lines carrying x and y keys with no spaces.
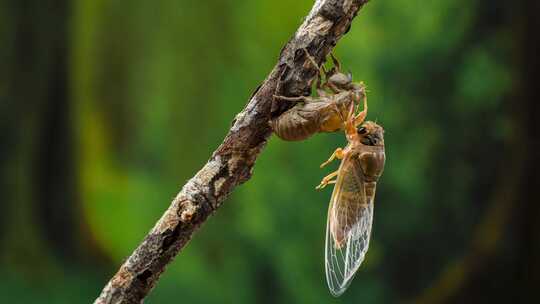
{"x":350,"y":214}
{"x":324,"y":113}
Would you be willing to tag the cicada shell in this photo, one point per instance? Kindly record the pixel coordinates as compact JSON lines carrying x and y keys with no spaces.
{"x":350,"y":214}
{"x":326,"y":112}
{"x":313,"y":115}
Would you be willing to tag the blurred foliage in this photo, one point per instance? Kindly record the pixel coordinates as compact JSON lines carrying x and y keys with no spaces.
{"x":150,"y":89}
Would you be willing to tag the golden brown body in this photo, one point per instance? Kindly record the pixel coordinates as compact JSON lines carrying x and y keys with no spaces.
{"x":350,"y":214}
{"x":360,"y":169}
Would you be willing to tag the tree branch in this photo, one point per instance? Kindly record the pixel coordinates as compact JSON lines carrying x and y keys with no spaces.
{"x":232,"y":163}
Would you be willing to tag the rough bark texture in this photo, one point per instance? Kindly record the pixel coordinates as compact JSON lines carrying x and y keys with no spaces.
{"x":232,"y":163}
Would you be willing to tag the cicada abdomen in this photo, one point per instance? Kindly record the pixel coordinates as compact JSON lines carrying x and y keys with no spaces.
{"x":313,"y":115}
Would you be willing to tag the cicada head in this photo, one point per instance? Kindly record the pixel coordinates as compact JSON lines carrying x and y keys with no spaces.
{"x":340,"y":80}
{"x":370,"y":134}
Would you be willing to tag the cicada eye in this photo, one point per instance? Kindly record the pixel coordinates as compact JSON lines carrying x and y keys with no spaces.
{"x":361,"y":130}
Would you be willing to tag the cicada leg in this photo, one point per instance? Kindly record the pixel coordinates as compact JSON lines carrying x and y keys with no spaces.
{"x":335,"y":69}
{"x":327,"y":180}
{"x":360,"y":117}
{"x":339,"y":154}
{"x":312,"y":60}
{"x":336,"y":62}
{"x":332,"y":87}
{"x":319,"y":85}
{"x":305,"y":99}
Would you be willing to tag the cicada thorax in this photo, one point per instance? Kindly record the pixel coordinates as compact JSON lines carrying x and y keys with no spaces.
{"x":371,"y":160}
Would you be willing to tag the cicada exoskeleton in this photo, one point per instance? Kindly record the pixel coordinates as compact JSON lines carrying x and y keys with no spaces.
{"x":324,"y":113}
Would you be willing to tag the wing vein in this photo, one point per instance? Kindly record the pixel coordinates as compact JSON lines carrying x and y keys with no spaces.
{"x":348,"y":227}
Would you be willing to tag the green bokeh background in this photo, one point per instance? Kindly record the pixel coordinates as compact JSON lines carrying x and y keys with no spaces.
{"x":108,"y":107}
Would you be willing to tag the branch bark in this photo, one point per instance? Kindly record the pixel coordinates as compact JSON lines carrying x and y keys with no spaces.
{"x":232,"y":163}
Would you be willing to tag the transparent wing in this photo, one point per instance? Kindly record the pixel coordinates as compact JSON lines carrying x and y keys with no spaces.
{"x":350,"y":216}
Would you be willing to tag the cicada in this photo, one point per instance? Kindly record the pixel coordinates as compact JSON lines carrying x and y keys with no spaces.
{"x":324,"y":113}
{"x":350,"y":214}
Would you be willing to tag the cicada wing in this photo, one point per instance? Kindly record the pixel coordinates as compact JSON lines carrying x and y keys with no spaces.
{"x":348,"y":229}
